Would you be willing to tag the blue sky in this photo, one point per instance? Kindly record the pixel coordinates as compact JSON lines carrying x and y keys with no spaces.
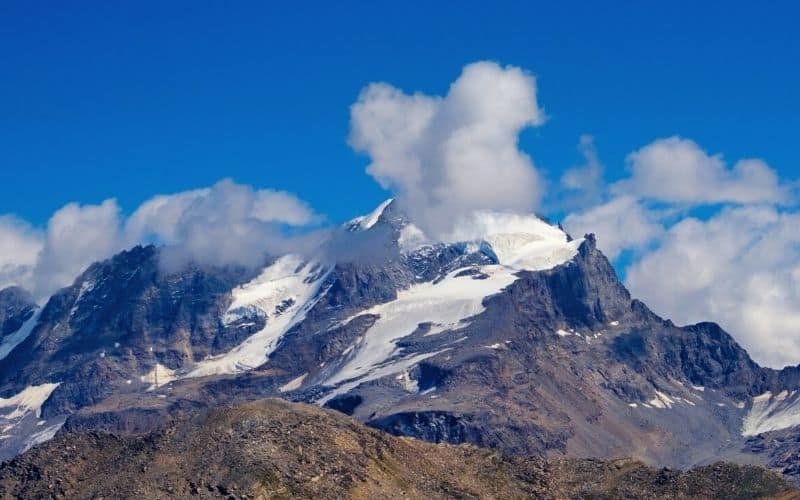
{"x":126,"y":101}
{"x":130,"y":100}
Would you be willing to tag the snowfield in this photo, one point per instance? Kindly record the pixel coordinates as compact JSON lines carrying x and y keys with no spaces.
{"x":520,"y":242}
{"x":772,"y":412}
{"x":13,"y":340}
{"x":283,"y":293}
{"x":286,"y":290}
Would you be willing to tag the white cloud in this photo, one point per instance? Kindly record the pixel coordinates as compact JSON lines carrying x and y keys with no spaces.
{"x":620,"y":224}
{"x":20,"y":245}
{"x":740,"y":268}
{"x":584,"y":184}
{"x":446,"y":157}
{"x":157,"y":218}
{"x":677,"y":170}
{"x":227,"y":223}
{"x":282,"y":207}
{"x":76,"y":236}
{"x":164,"y":218}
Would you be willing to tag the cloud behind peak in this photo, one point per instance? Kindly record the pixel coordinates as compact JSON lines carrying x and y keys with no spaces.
{"x":445,"y":157}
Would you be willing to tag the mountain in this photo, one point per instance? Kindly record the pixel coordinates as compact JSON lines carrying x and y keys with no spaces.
{"x":16,"y":309}
{"x":273,"y":448}
{"x":509,"y":335}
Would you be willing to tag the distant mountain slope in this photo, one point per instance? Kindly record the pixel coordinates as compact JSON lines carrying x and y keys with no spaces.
{"x":510,"y":335}
{"x":277,"y":449}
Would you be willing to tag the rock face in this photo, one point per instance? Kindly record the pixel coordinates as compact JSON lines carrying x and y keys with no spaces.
{"x":273,"y":448}
{"x":118,"y":320}
{"x":16,"y":307}
{"x":520,"y":339}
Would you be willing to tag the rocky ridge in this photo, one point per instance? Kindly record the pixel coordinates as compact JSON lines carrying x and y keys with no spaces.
{"x":276,"y":449}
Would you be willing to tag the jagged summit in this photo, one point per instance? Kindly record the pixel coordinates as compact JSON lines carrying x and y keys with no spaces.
{"x":365,"y":222}
{"x":518,"y":241}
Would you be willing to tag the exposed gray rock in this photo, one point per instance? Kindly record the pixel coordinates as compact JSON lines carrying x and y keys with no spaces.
{"x":16,"y":307}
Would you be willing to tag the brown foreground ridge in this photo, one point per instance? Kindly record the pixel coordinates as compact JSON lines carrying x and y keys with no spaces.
{"x":276,"y":449}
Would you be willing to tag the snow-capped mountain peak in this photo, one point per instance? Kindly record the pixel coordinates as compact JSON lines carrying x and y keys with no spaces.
{"x":365,"y":222}
{"x":521,"y":241}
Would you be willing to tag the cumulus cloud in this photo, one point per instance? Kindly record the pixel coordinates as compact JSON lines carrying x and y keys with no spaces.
{"x":168,"y":218}
{"x":226,"y":224}
{"x":674,"y":175}
{"x":157,"y":218}
{"x":622,"y":223}
{"x":677,"y":170}
{"x":76,"y":236}
{"x":583,"y":185}
{"x":20,"y":245}
{"x":445,"y":157}
{"x":740,"y":268}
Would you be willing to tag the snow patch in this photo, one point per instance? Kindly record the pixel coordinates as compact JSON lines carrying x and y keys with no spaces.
{"x":283,"y":293}
{"x":10,"y":342}
{"x":293,"y":384}
{"x":20,"y":417}
{"x":408,"y":383}
{"x":42,"y":436}
{"x":450,"y":301}
{"x":86,"y":286}
{"x":770,"y":413}
{"x":662,"y":401}
{"x":27,"y":401}
{"x":445,"y":327}
{"x":367,"y":221}
{"x":389,"y":368}
{"x":518,"y":241}
{"x":160,"y":375}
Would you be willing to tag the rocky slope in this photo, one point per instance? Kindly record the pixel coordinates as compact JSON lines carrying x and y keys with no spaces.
{"x":275,"y":449}
{"x":512,"y":336}
{"x":16,"y":309}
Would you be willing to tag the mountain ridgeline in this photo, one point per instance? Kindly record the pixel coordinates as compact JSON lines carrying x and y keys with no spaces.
{"x":521,"y":341}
